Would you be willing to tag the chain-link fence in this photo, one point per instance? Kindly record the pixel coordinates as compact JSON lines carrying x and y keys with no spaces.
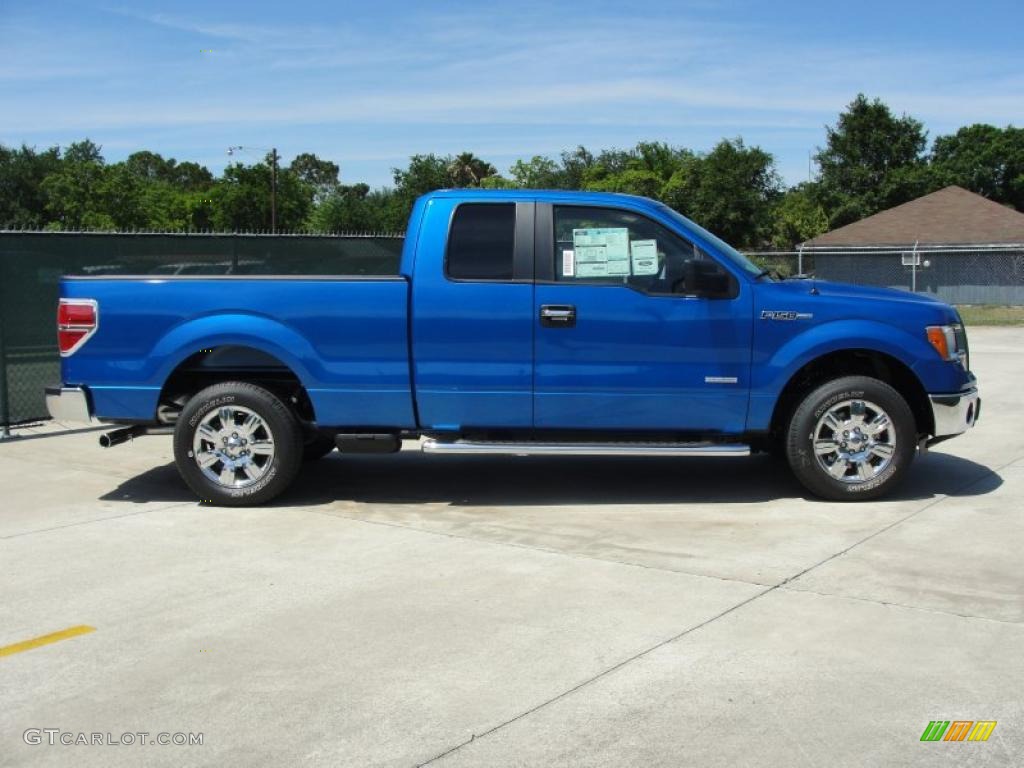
{"x":976,"y":274}
{"x":31,"y":264}
{"x":784,"y":263}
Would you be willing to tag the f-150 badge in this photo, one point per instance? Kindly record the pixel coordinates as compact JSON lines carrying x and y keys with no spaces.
{"x":779,"y":314}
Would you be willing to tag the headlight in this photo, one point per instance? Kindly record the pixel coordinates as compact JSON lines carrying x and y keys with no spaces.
{"x":950,"y":341}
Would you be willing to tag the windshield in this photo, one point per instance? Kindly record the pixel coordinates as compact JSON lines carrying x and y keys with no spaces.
{"x":720,"y":245}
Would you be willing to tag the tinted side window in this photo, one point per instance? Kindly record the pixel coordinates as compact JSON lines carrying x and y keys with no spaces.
{"x":482,"y":242}
{"x":609,"y":245}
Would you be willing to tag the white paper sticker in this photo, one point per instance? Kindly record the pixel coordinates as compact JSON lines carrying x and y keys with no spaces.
{"x":568,"y":263}
{"x":644,"y":254}
{"x":602,"y":251}
{"x":592,"y":270}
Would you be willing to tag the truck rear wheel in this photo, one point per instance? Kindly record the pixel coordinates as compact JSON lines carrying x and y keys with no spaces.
{"x":236,"y":444}
{"x":851,"y":438}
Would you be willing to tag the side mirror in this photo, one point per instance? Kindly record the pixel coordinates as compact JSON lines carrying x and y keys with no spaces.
{"x":708,"y":279}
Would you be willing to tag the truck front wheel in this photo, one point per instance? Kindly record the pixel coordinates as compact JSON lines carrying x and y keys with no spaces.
{"x":236,"y":444}
{"x":851,"y":438}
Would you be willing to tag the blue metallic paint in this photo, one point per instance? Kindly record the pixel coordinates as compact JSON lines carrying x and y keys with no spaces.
{"x":347,"y":341}
{"x":635,"y":361}
{"x":476,"y":350}
{"x":472,"y":341}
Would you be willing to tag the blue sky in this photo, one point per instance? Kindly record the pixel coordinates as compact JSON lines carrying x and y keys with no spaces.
{"x":367,"y":84}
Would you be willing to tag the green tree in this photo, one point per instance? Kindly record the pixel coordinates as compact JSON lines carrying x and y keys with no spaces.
{"x":320,"y":175}
{"x":22,"y":171}
{"x":798,"y":216}
{"x":575,"y":166}
{"x":984,"y":159}
{"x":731,"y":191}
{"x":871,"y":160}
{"x":75,"y":195}
{"x":424,"y":173}
{"x":84,"y":151}
{"x":189,"y":176}
{"x":538,"y":172}
{"x":630,"y":182}
{"x":149,"y":166}
{"x":468,"y":170}
{"x":241,"y":199}
{"x":356,"y":208}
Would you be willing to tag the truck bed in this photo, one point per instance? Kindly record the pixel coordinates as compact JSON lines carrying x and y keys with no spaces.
{"x":347,"y":338}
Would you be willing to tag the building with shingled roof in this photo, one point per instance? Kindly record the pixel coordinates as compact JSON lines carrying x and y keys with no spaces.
{"x":954,"y":244}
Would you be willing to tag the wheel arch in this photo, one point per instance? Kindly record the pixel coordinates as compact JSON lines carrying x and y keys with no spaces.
{"x":851,"y":362}
{"x":241,"y":346}
{"x":232,"y":362}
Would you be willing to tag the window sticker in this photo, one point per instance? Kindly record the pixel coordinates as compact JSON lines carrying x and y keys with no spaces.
{"x":601,"y":252}
{"x":568,"y":263}
{"x":644,"y":255}
{"x":592,"y":269}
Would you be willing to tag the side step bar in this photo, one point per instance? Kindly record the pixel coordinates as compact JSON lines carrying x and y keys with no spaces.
{"x":431,"y":445}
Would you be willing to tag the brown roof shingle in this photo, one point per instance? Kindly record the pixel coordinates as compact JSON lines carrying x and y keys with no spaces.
{"x":947,"y":217}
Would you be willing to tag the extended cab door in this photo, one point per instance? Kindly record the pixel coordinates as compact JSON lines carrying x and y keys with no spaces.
{"x":472,"y":314}
{"x":636,"y":328}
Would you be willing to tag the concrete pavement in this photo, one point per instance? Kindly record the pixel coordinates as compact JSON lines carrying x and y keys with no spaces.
{"x":479,"y":611}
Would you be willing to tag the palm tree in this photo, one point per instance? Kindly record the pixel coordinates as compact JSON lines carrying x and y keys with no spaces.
{"x":468,"y":170}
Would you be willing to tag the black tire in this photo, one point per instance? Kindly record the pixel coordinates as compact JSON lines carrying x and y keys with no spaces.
{"x":318,"y":447}
{"x":276,"y":422}
{"x":878,"y":478}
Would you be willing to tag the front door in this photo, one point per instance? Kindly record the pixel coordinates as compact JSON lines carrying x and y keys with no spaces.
{"x":623,"y":340}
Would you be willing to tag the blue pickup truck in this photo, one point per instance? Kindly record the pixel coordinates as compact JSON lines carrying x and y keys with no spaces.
{"x":519,"y":322}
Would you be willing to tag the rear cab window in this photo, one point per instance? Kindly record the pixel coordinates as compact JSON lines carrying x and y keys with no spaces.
{"x":481,"y":242}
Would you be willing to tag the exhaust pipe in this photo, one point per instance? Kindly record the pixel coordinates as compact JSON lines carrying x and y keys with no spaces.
{"x":118,"y":436}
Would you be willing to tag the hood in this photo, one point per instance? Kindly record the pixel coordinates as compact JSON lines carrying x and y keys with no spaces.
{"x":858,"y":297}
{"x":851,"y":291}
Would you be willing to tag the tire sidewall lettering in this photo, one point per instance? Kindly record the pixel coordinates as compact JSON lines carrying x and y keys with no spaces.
{"x":209,"y":406}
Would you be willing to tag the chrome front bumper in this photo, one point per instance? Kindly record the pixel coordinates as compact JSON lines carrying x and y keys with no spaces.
{"x":955,"y":414}
{"x":68,"y":404}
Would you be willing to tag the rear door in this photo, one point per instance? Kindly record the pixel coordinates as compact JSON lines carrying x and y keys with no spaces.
{"x":472,"y":314}
{"x":623,"y":342}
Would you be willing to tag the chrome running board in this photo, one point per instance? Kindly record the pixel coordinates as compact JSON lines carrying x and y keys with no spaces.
{"x":431,"y":445}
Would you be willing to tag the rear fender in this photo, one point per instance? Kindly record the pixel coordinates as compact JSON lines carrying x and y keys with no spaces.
{"x":237,"y":329}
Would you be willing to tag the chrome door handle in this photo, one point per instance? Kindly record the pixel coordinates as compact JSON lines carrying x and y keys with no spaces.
{"x":558,"y":316}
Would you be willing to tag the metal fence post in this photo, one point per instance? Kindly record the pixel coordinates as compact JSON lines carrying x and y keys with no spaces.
{"x":5,"y":409}
{"x":913,"y":268}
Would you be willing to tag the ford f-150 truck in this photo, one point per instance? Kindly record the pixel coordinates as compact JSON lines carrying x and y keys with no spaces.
{"x":519,"y":322}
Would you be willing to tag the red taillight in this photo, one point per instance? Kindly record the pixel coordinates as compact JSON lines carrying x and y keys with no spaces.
{"x":77,"y":320}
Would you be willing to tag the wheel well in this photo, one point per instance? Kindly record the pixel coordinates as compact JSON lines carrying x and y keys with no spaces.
{"x":232,"y":363}
{"x":855,"y":362}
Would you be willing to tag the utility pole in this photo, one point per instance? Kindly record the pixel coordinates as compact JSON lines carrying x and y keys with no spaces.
{"x":274,"y":157}
{"x":273,"y":190}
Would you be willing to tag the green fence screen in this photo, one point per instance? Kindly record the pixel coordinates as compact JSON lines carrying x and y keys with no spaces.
{"x":31,"y":264}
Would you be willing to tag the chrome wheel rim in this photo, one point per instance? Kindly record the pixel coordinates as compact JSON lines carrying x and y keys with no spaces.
{"x":233,"y":446}
{"x":854,"y":441}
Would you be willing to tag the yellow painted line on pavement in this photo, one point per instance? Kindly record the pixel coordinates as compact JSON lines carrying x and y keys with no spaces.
{"x":53,"y":637}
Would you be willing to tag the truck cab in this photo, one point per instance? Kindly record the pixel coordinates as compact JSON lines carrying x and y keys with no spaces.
{"x":524,"y":322}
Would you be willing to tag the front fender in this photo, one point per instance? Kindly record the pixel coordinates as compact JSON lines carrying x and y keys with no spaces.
{"x":773,"y":369}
